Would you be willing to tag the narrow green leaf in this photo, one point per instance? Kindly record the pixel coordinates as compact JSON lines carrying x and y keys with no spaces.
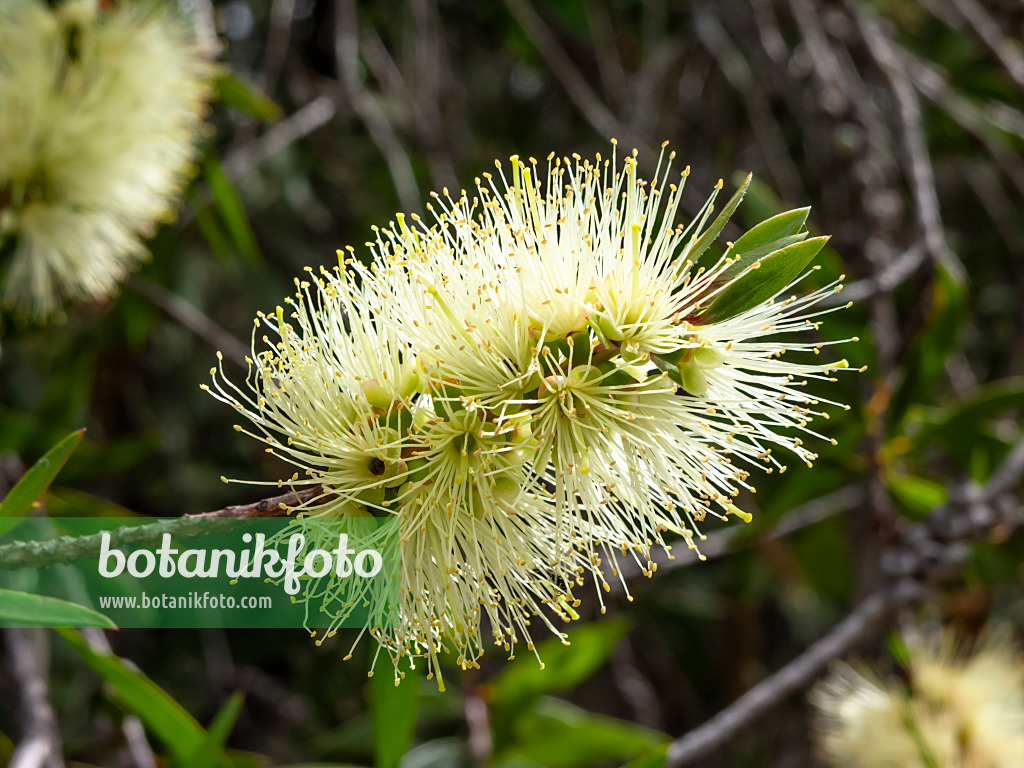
{"x":35,"y":482}
{"x":393,"y":711}
{"x":557,"y":734}
{"x":655,"y":758}
{"x":210,"y":753}
{"x":229,"y":206}
{"x":760,"y":283}
{"x":564,"y":667}
{"x":42,"y":611}
{"x":743,"y":260}
{"x":770,"y":230}
{"x":918,"y":494}
{"x":712,"y":232}
{"x":165,"y":717}
{"x":244,"y":95}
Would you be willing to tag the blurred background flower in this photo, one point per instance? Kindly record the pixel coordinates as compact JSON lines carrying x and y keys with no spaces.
{"x":957,"y":706}
{"x":99,"y":114}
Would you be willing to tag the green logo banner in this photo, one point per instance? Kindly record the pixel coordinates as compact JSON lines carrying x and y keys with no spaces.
{"x":321,"y":573}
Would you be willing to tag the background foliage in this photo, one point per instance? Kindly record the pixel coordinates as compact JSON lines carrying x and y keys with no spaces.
{"x":902,"y":123}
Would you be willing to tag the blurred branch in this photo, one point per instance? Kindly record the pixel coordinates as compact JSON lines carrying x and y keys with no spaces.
{"x":734,"y":66}
{"x":724,"y":542}
{"x":68,"y":549}
{"x":929,"y":79}
{"x":576,"y":86}
{"x":191,"y":318}
{"x":924,"y":555}
{"x":861,"y":623}
{"x":922,"y":177}
{"x":296,"y":126}
{"x":893,"y":274}
{"x":138,"y":745}
{"x":41,"y":745}
{"x":478,"y":722}
{"x":986,"y":28}
{"x":278,"y":36}
{"x":346,"y":51}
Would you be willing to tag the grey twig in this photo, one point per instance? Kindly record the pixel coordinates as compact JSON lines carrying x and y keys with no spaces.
{"x":41,"y":745}
{"x":346,"y":48}
{"x":281,"y":13}
{"x":68,"y":549}
{"x":888,"y":278}
{"x":927,"y":553}
{"x":861,"y":623}
{"x":576,"y":86}
{"x":737,"y":71}
{"x":191,"y":318}
{"x":721,"y":543}
{"x":138,"y":744}
{"x":922,"y":177}
{"x":478,"y":721}
{"x":986,"y":28}
{"x":296,"y":126}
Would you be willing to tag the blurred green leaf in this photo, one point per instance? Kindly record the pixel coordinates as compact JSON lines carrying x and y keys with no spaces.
{"x":560,"y":735}
{"x":653,"y":759}
{"x":35,"y":482}
{"x":952,"y":425}
{"x":42,"y":611}
{"x":916,"y":493}
{"x":210,"y":753}
{"x":239,"y":92}
{"x":393,"y":711}
{"x":925,"y":361}
{"x":565,"y":666}
{"x":709,"y":236}
{"x":231,"y":210}
{"x":758,"y":284}
{"x":165,"y":717}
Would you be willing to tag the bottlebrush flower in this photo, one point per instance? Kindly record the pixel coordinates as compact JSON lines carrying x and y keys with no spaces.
{"x":580,"y":379}
{"x":99,"y":111}
{"x":955,"y":709}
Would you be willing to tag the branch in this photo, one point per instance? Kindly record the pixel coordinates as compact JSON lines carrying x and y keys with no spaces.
{"x":346,"y":51}
{"x":986,"y":28}
{"x":861,"y":623}
{"x":191,"y":318}
{"x":922,"y":177}
{"x":41,"y":746}
{"x":298,"y":125}
{"x":926,"y":554}
{"x":576,"y":86}
{"x":68,"y":549}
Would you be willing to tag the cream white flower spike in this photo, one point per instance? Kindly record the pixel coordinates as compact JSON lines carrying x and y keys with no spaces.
{"x":552,"y":377}
{"x":99,"y":113}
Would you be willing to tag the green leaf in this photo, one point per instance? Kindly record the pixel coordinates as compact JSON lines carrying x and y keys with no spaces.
{"x":565,"y":666}
{"x":35,"y":482}
{"x":952,"y":424}
{"x":393,"y":711}
{"x":42,"y":611}
{"x":916,"y":493}
{"x":655,"y":758}
{"x":924,"y":364}
{"x":165,"y":717}
{"x":210,"y":753}
{"x":560,"y":735}
{"x":760,"y":283}
{"x":237,"y":91}
{"x":229,"y":206}
{"x":768,"y":231}
{"x":709,"y":236}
